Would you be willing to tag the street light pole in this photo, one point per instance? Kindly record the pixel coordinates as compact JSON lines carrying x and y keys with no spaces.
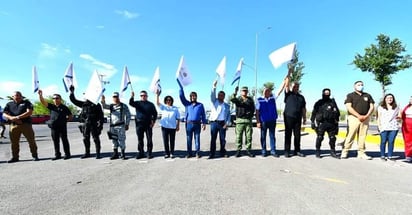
{"x":256,"y":58}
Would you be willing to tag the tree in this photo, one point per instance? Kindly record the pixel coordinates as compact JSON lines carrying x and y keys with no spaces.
{"x":383,"y":60}
{"x":269,"y":85}
{"x":297,"y":73}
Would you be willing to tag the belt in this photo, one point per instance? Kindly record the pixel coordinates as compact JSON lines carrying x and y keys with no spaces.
{"x":193,"y":121}
{"x":218,"y":121}
{"x":117,"y":124}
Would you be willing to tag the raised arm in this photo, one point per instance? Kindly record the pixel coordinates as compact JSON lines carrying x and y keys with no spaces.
{"x":103,"y":102}
{"x":43,"y":102}
{"x":287,"y":80}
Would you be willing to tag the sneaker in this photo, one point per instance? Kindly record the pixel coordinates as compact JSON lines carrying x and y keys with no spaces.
{"x":364,"y":156}
{"x":66,"y":157}
{"x":318,"y":154}
{"x":167,"y":156}
{"x":35,"y":158}
{"x":391,"y":159}
{"x":383,"y":158}
{"x":287,"y":155}
{"x":300,"y":154}
{"x":344,"y":155}
{"x":198,"y":155}
{"x":238,"y":154}
{"x":274,"y":155}
{"x":172,"y":156}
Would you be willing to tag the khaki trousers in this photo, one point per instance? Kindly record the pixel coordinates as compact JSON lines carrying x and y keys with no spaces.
{"x":359,"y":128}
{"x":15,"y":132}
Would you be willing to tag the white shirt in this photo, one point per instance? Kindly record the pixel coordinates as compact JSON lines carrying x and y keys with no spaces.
{"x":387,"y":119}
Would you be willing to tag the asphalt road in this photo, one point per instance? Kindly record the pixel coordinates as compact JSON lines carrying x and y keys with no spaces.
{"x":200,"y":186}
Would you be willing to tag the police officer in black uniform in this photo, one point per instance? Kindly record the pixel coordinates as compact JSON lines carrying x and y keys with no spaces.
{"x":92,"y":119}
{"x":325,"y":118}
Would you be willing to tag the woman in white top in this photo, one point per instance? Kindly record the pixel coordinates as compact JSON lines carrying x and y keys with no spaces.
{"x":169,"y":122}
{"x":388,"y":126}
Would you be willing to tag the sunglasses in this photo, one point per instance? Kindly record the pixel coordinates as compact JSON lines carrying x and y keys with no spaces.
{"x":56,"y":98}
{"x":143,"y":95}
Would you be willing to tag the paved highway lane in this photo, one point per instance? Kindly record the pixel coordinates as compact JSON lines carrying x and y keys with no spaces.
{"x":200,"y":186}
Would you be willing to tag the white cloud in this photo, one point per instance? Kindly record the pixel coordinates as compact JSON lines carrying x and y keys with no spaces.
{"x":135,"y":79}
{"x":103,"y":68}
{"x":100,"y":27}
{"x":4,"y":13}
{"x":48,"y":50}
{"x":127,"y":14}
{"x":8,"y":87}
{"x":50,"y":90}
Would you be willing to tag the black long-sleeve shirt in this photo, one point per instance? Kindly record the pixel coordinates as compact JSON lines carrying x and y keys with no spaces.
{"x":145,"y":111}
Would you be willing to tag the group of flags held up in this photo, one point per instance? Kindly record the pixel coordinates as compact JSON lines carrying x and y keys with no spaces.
{"x":95,"y":89}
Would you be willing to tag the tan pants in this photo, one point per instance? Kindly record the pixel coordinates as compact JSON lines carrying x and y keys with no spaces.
{"x":15,"y":132}
{"x":356,"y":127}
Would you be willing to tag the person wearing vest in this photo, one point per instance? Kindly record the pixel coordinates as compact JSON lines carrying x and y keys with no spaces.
{"x":245,"y":109}
{"x":325,"y":118}
{"x":119,"y":124}
{"x":59,"y":115}
{"x":266,"y":115}
{"x":92,"y":119}
{"x":18,"y":112}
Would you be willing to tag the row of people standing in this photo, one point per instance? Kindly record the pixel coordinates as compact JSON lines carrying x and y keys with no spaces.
{"x":325,"y":117}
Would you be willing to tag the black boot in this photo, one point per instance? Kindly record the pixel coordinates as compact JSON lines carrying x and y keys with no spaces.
{"x":317,"y":153}
{"x":333,"y":154}
{"x":98,"y":154}
{"x":115,"y":154}
{"x":123,"y":155}
{"x":86,"y":154}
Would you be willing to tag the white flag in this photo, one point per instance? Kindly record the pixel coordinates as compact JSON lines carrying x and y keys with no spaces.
{"x":69,"y":78}
{"x":283,"y":55}
{"x":155,"y":85}
{"x":182,"y":73}
{"x":238,"y":71}
{"x":125,"y":80}
{"x":35,"y":80}
{"x":95,"y":89}
{"x":221,"y":70}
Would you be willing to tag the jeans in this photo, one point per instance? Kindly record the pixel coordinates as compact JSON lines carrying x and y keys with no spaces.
{"x":193,"y":129}
{"x":215,"y":129}
{"x":265,"y":126}
{"x":389,"y":137}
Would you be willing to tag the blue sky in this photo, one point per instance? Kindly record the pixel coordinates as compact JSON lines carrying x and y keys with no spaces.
{"x":107,"y":35}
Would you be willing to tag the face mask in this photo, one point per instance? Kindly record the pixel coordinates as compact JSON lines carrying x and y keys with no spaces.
{"x":325,"y":97}
{"x":359,"y":88}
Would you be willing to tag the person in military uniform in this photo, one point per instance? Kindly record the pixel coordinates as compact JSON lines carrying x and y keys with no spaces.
{"x":119,"y":124}
{"x":92,"y":120}
{"x":325,"y":118}
{"x":245,"y":109}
